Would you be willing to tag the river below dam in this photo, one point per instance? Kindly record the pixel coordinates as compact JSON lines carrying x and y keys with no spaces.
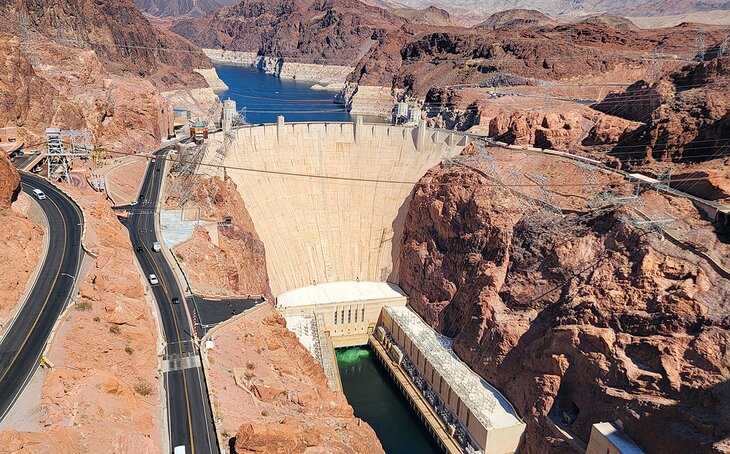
{"x":377,"y":401}
{"x":368,"y":388}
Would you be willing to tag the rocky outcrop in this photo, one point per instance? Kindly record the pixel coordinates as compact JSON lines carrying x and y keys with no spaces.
{"x":427,"y":16}
{"x":563,"y":130}
{"x":9,"y":182}
{"x":689,"y":124}
{"x":583,"y":318}
{"x":416,"y":59}
{"x":236,"y":263}
{"x":272,"y":396}
{"x":117,"y":32}
{"x":638,"y":102}
{"x":709,"y":180}
{"x":518,"y":19}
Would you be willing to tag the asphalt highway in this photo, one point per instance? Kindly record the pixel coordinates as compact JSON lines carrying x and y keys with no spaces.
{"x":23,"y":344}
{"x":188,"y":410}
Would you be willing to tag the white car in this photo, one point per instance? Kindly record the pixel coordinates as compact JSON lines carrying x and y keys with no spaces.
{"x":153,"y":279}
{"x":39,"y":194}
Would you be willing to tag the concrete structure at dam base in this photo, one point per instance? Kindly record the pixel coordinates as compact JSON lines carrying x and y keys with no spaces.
{"x":464,"y":406}
{"x":349,"y":309}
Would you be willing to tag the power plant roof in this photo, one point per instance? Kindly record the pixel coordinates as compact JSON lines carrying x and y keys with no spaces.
{"x":486,"y":403}
{"x":340,"y":292}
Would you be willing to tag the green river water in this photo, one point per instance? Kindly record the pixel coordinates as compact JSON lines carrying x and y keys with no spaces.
{"x":377,"y":401}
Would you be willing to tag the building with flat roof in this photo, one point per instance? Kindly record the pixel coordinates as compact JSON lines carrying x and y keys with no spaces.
{"x":609,"y":438}
{"x":349,"y":309}
{"x":479,"y":416}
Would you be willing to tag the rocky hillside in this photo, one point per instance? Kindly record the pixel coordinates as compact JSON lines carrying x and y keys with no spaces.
{"x":585,"y":317}
{"x":416,"y":60}
{"x":686,"y":115}
{"x":518,"y":18}
{"x":178,"y":8}
{"x":117,"y":32}
{"x":427,"y":16}
{"x":617,"y":22}
{"x":271,"y":396}
{"x":237,"y":264}
{"x":337,"y":32}
{"x":100,"y":66}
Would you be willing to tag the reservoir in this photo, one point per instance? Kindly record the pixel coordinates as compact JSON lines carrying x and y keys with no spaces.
{"x":377,"y":401}
{"x":266,"y":96}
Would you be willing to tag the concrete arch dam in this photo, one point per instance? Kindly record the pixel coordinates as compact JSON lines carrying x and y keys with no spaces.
{"x":345,"y":224}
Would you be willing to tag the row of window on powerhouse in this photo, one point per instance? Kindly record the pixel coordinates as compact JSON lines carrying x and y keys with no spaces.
{"x":341,"y":314}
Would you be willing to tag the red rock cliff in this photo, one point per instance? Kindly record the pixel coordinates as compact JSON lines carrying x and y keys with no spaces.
{"x":584,"y":316}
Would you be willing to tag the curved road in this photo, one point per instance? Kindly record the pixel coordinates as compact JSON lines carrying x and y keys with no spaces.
{"x":23,"y":343}
{"x":188,"y":410}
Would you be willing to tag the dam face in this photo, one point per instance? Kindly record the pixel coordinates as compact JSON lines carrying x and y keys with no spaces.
{"x":329,"y":199}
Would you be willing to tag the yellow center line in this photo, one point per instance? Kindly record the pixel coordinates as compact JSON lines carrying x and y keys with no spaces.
{"x":45,"y":303}
{"x":177,"y":331}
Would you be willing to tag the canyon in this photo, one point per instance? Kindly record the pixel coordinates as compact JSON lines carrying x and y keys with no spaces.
{"x":582,"y":298}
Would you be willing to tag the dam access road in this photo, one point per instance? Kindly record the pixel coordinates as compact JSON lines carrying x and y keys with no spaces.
{"x":190,"y":420}
{"x":22,"y":346}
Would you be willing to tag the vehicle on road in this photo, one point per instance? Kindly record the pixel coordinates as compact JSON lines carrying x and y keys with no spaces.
{"x":133,"y":203}
{"x":175,"y":300}
{"x":39,"y":194}
{"x":153,"y":279}
{"x":20,"y":153}
{"x":179,"y":450}
{"x":37,"y":169}
{"x":139,"y":249}
{"x":156,"y":246}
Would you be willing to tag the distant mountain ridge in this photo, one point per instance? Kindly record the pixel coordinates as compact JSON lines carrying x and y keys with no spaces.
{"x":478,"y":10}
{"x":177,"y":8}
{"x":518,"y":18}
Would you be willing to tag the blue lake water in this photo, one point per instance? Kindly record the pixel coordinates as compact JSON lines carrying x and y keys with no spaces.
{"x":265,"y":97}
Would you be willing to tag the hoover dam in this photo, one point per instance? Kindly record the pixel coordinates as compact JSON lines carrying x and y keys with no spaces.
{"x":329,"y":202}
{"x":345,"y":224}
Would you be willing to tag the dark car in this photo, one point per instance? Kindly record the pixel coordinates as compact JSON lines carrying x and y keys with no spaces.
{"x":139,"y":249}
{"x":175,"y":300}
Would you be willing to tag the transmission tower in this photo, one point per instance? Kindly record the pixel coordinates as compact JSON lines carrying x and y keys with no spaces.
{"x":189,"y":159}
{"x":664,"y":178}
{"x":700,"y":45}
{"x":59,"y":156}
